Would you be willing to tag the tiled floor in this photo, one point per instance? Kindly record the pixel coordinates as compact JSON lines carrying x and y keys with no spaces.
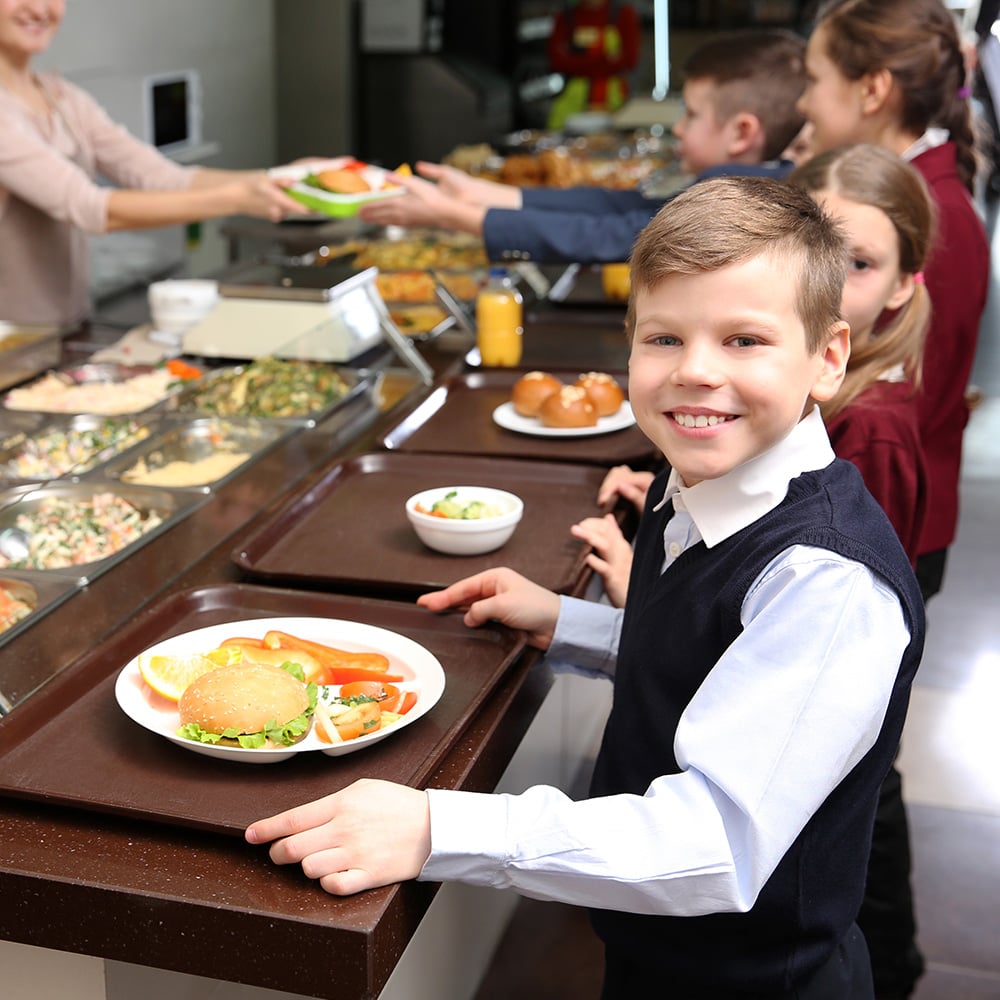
{"x":950,"y":763}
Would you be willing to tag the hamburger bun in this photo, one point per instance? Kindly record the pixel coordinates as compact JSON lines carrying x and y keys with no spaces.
{"x":606,"y":393}
{"x":569,"y":407}
{"x":244,"y":698}
{"x":343,"y":181}
{"x":531,"y":390}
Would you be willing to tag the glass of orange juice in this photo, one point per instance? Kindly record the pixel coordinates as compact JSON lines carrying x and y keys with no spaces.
{"x":499,"y":321}
{"x":615,"y":281}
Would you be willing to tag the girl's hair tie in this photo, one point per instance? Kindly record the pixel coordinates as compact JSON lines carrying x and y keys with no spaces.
{"x":964,"y":93}
{"x":918,"y":278}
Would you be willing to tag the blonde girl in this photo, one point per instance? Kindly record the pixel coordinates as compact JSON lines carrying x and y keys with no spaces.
{"x":883,"y":205}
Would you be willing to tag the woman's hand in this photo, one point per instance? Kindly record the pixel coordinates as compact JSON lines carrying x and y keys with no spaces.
{"x":369,"y":834}
{"x":626,"y":483}
{"x":504,"y":596}
{"x":612,"y":555}
{"x":263,"y":196}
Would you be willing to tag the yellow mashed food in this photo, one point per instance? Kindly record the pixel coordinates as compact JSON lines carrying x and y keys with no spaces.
{"x":179,"y":473}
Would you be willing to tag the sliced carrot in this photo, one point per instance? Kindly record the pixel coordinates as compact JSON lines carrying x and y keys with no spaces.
{"x":329,"y":656}
{"x":409,"y":700}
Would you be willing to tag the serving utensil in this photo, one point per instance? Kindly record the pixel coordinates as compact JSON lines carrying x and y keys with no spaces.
{"x":15,"y":544}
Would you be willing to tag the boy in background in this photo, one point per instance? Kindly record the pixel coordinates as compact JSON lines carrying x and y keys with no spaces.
{"x":762,"y":662}
{"x":740,"y":92}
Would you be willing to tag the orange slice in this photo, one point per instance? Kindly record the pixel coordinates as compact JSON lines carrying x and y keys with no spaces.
{"x":170,"y":675}
{"x":225,"y":656}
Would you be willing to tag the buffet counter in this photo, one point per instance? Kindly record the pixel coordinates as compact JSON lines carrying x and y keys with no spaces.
{"x":127,"y":885}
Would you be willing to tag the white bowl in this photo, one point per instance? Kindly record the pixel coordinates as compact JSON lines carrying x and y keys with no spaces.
{"x":178,"y":304}
{"x":456,"y":537}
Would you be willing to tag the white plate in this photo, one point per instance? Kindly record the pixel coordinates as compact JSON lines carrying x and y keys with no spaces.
{"x":422,"y":670}
{"x":507,"y":417}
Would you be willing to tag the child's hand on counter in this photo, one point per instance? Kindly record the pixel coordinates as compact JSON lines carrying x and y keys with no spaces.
{"x":504,"y":596}
{"x":612,"y":555}
{"x":369,"y":834}
{"x":621,"y":481}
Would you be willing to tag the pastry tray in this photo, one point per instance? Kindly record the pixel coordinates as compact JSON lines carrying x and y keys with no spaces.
{"x":350,"y":529}
{"x":70,"y":744}
{"x":457,"y":419}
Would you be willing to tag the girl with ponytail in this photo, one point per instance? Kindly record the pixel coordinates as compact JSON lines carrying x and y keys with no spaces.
{"x":891,"y":73}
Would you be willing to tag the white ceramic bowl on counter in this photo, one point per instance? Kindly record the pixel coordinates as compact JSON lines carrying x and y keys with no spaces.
{"x":178,"y":304}
{"x":460,"y":537}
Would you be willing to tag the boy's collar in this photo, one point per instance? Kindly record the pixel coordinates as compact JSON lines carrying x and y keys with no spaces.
{"x":721,"y":507}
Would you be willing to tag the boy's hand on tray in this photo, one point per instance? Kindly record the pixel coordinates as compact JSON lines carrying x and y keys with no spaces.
{"x":504,"y":596}
{"x":369,"y":834}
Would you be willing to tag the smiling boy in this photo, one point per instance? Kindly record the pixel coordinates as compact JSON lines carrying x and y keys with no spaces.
{"x":762,"y":662}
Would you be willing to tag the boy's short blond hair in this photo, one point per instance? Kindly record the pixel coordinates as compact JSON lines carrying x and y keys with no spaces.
{"x":730,"y":220}
{"x":762,"y":73}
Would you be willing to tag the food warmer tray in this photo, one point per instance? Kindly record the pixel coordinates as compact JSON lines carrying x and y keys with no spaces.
{"x":457,"y":419}
{"x":13,"y":444}
{"x":49,"y":590}
{"x":187,"y":401}
{"x":172,"y":505}
{"x":181,"y":439}
{"x":105,"y":372}
{"x":350,"y":529}
{"x":70,"y":744}
{"x":27,"y":351}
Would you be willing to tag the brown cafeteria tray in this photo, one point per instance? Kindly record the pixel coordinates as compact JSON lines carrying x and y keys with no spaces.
{"x":70,"y":744}
{"x":457,"y":419}
{"x":350,"y":529}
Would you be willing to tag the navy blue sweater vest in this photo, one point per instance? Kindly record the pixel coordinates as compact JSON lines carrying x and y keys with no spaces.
{"x":676,"y":626}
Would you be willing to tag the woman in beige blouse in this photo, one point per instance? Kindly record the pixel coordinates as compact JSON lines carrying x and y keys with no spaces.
{"x":54,"y":140}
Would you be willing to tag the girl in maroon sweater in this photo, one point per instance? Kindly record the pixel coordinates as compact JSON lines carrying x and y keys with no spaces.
{"x":892,"y":73}
{"x":884,"y":207}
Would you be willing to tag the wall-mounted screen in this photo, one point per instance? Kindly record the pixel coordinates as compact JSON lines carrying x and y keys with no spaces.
{"x":172,"y":109}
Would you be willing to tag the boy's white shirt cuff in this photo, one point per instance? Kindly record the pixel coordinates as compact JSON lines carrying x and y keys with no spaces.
{"x":461,"y":823}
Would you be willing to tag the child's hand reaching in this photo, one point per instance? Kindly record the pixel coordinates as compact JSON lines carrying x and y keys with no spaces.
{"x":369,"y":834}
{"x":504,"y":596}
{"x":612,"y":555}
{"x":624,"y":482}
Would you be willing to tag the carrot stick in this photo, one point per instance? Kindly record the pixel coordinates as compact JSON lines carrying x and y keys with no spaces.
{"x":328,"y":656}
{"x":252,"y":643}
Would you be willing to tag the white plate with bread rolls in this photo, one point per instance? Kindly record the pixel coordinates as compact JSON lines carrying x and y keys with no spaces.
{"x":507,"y":417}
{"x":544,"y":405}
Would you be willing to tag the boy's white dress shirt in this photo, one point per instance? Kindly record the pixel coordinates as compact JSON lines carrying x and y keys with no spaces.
{"x":761,"y":745}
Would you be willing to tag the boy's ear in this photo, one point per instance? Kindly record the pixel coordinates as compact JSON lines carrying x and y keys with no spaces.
{"x":834,"y":357}
{"x":875,"y":90}
{"x":746,"y":137}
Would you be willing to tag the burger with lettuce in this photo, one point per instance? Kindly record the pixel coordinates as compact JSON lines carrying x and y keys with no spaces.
{"x":249,"y":705}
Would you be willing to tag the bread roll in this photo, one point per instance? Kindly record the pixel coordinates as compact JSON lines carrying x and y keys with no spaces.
{"x":606,"y":393}
{"x":569,"y":407}
{"x":343,"y":181}
{"x":243,"y":697}
{"x":531,"y":390}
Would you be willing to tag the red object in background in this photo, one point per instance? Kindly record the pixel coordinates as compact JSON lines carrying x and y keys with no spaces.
{"x":598,"y":41}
